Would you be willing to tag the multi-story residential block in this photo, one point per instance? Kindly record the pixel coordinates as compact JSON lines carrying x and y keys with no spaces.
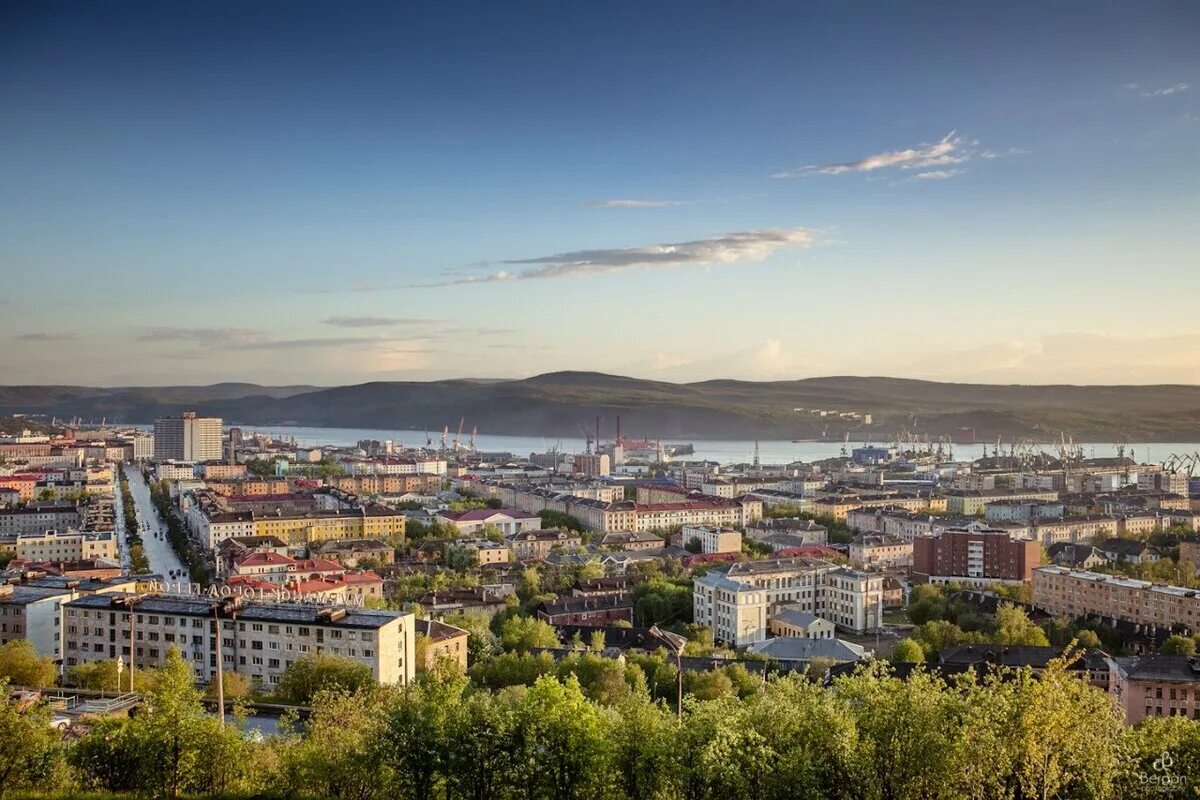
{"x":174,"y":471}
{"x":839,"y":506}
{"x":1072,"y":594}
{"x":33,"y":613}
{"x":587,"y":610}
{"x":712,"y":539}
{"x":68,"y":545}
{"x":38,"y":517}
{"x":1026,"y":511}
{"x":1173,"y":482}
{"x":1158,"y":686}
{"x":486,"y":551}
{"x":262,"y":641}
{"x":594,"y":465}
{"x":299,"y":519}
{"x":974,"y":555}
{"x":536,"y":545}
{"x":1075,"y":529}
{"x":874,"y":550}
{"x":442,"y":642}
{"x":187,"y":438}
{"x":395,"y":466}
{"x":738,"y":602}
{"x":972,"y":502}
{"x":806,"y":531}
{"x":630,"y":540}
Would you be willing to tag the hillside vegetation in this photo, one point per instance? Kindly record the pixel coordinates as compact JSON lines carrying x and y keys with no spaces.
{"x":558,"y":403}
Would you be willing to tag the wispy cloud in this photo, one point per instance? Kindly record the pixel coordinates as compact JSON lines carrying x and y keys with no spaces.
{"x":60,"y":336}
{"x":622,"y":203}
{"x":308,"y":344}
{"x":172,"y":333}
{"x":747,"y":246}
{"x":938,"y":174}
{"x":1165,"y":91}
{"x":950,"y":149}
{"x":372,"y":322}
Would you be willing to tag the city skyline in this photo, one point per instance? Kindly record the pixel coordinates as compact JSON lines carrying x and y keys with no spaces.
{"x":683,"y":192}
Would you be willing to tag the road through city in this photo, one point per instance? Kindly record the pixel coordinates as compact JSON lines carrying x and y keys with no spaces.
{"x":163,"y":560}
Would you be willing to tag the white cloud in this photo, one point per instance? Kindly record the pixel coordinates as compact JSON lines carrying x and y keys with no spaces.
{"x":624,"y":203}
{"x":732,"y":248}
{"x":1166,"y":91}
{"x":950,"y":149}
{"x":938,"y":174}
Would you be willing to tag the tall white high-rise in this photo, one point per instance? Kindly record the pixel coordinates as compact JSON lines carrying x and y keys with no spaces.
{"x":187,"y":438}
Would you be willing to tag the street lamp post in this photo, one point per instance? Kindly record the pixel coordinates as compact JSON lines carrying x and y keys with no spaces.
{"x":675,"y":643}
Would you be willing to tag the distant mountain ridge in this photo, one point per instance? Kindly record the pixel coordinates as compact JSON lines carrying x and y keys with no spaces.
{"x":559,"y":403}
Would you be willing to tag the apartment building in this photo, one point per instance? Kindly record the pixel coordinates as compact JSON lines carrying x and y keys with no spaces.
{"x":805,"y":531}
{"x":838,"y":507}
{"x":1076,"y":593}
{"x":486,"y":551}
{"x":260,"y":641}
{"x":68,"y":545}
{"x":38,"y":517}
{"x":187,"y":437}
{"x":971,"y":502}
{"x":442,"y":641}
{"x":299,"y":519}
{"x":536,"y":545}
{"x":33,"y":613}
{"x":974,"y":555}
{"x":1075,"y":529}
{"x":1158,"y":686}
{"x":738,"y":603}
{"x":875,"y":550}
{"x":395,"y":466}
{"x":712,"y":539}
{"x":1026,"y":511}
{"x":174,"y":471}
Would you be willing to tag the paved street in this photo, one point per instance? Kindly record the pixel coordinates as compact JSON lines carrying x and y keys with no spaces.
{"x":154,"y":533}
{"x":119,"y":514}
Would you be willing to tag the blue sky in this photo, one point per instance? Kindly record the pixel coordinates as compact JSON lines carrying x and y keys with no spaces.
{"x":310,"y":193}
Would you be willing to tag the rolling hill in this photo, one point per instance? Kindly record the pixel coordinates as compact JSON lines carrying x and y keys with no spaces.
{"x":559,"y":403}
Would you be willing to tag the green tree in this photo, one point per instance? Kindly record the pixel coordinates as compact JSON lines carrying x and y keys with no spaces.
{"x":307,"y":676}
{"x":1013,"y":627}
{"x":563,"y":742}
{"x":338,"y":755}
{"x":417,"y":728}
{"x":21,"y":665}
{"x":1179,"y":645}
{"x":524,"y":633}
{"x":481,"y":642}
{"x":31,"y":752}
{"x":170,"y":747}
{"x":645,"y":759}
{"x":102,"y":676}
{"x":908,"y":651}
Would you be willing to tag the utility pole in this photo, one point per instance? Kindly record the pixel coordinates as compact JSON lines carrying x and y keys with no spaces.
{"x":230,"y":606}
